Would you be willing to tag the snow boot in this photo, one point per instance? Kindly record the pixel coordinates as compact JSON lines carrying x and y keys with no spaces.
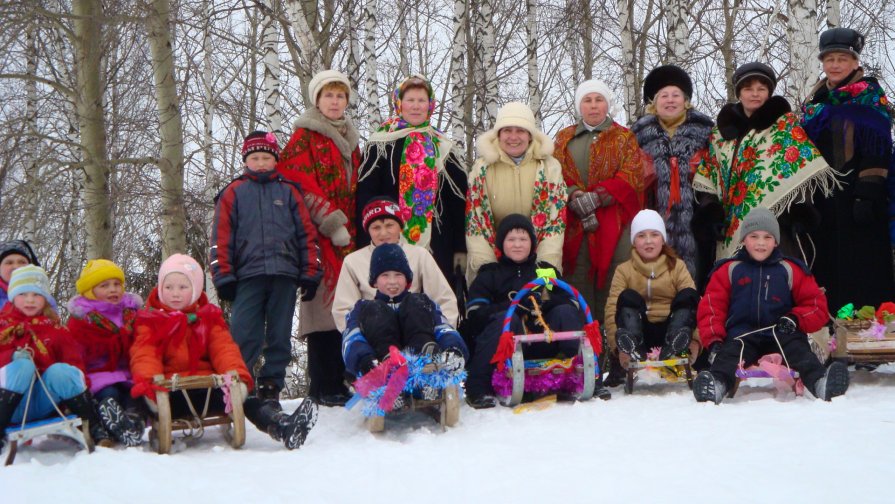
{"x":481,"y":401}
{"x":84,"y":406}
{"x":334,"y":400}
{"x":9,"y":401}
{"x":450,"y":360}
{"x":677,"y":337}
{"x":706,"y":387}
{"x":629,"y":336}
{"x":290,"y":429}
{"x":126,"y":427}
{"x":267,"y":390}
{"x":616,"y":375}
{"x":833,"y":383}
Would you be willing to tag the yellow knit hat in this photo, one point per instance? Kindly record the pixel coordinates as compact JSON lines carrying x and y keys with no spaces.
{"x":96,"y":272}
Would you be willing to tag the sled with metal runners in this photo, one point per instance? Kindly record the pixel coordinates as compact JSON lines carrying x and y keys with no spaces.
{"x":671,"y":370}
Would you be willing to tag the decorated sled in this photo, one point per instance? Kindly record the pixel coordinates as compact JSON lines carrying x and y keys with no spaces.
{"x":406,"y":382}
{"x":514,"y":376}
{"x":671,"y":370}
{"x":865,"y":341}
{"x":69,"y":426}
{"x":193,"y":426}
{"x":769,"y":366}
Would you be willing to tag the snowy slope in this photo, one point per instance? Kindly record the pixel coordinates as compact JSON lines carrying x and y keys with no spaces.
{"x":655,"y":445}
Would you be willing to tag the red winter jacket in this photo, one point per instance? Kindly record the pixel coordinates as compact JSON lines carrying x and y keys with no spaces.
{"x":106,"y":345}
{"x":46,"y":337}
{"x":744,"y":295}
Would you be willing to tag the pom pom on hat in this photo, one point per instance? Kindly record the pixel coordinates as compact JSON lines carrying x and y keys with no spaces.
{"x":646,"y":220}
{"x":31,"y":278}
{"x":260,"y":141}
{"x":389,"y":257}
{"x":96,"y":272}
{"x":182,"y":263}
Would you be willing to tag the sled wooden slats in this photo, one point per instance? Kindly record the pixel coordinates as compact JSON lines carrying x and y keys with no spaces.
{"x":674,"y":364}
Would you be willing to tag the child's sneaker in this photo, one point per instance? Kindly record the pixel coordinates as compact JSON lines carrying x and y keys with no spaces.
{"x":629,"y":342}
{"x":708,"y":388}
{"x":125,"y":427}
{"x":833,"y":383}
{"x":294,"y":429}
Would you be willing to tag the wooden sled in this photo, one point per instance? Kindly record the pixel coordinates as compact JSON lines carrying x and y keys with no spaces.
{"x":163,"y":425}
{"x":673,"y":369}
{"x":445,"y":409}
{"x":857,"y":349}
{"x":70,"y":426}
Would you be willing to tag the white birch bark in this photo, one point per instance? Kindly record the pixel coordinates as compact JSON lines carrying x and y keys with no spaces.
{"x":587,"y":39}
{"x":171,"y":161}
{"x":208,"y":102}
{"x":801,"y":31}
{"x":371,"y":11}
{"x":28,"y":226}
{"x":629,"y":69}
{"x":833,"y":13}
{"x":458,"y":73}
{"x":354,"y":56}
{"x":403,"y":46}
{"x":92,"y":127}
{"x":270,"y":46}
{"x":534,"y":93}
{"x":677,"y":41}
{"x":489,"y":46}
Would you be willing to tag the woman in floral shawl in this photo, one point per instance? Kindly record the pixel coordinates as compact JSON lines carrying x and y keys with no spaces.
{"x":515,"y":174}
{"x":759,"y":156}
{"x":323,"y":157}
{"x":846,"y":117}
{"x":411,"y":161}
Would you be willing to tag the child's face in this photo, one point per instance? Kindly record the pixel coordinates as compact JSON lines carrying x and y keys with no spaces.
{"x":760,"y":245}
{"x":648,"y":244}
{"x":391,"y":283}
{"x":177,"y":291}
{"x":261,"y":162}
{"x":517,"y":245}
{"x":384,"y":231}
{"x":109,"y":291}
{"x":11,"y":263}
{"x":30,"y":303}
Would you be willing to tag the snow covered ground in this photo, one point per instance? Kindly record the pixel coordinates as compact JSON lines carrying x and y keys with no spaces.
{"x":655,"y":445}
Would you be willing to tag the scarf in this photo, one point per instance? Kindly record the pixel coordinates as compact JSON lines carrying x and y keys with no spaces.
{"x":105,"y":330}
{"x":342,"y":132}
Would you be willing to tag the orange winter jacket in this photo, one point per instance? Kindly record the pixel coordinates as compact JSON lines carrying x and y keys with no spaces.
{"x":189,"y":343}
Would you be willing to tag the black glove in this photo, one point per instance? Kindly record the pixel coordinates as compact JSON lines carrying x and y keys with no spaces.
{"x":786,"y":325}
{"x":227,"y":292}
{"x":366,"y":364}
{"x":527,"y":303}
{"x":308,"y":290}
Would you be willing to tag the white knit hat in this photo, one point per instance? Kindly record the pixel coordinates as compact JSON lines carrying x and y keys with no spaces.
{"x":648,"y":220}
{"x":519,"y":115}
{"x":595,"y":86}
{"x":323,"y":78}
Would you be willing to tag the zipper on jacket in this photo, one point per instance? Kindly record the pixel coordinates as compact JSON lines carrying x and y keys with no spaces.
{"x":767,"y":281}
{"x":758,"y":298}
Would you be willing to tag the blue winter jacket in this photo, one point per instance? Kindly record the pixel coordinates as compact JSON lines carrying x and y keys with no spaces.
{"x":262,"y":227}
{"x":355,"y":347}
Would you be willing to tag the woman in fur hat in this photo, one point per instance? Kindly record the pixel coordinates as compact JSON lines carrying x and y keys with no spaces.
{"x":409,"y":160}
{"x":514,"y":174}
{"x":847,"y":118}
{"x":759,"y":155}
{"x":323,"y":156}
{"x":675,"y":137}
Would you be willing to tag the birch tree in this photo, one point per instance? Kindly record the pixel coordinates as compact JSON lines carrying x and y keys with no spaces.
{"x":458,"y":73}
{"x":678,"y":34}
{"x":628,"y":64}
{"x":801,"y":32}
{"x":211,"y":176}
{"x":32,"y":168}
{"x":270,"y":45}
{"x":371,"y":69}
{"x":534,"y":94}
{"x":833,"y":13}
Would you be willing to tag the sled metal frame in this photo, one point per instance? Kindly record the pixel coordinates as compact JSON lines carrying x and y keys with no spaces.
{"x":445,"y":410}
{"x":163,"y":425}
{"x":518,"y":371}
{"x":672,"y":363}
{"x":70,"y":426}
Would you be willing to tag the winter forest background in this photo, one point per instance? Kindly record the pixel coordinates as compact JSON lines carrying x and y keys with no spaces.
{"x":121,"y":120}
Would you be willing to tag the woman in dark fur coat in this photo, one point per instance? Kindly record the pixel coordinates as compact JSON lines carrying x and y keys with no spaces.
{"x":674,"y":136}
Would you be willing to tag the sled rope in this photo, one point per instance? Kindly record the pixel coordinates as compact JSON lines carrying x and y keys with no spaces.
{"x":802,"y":251}
{"x":773,"y":333}
{"x":548,"y":333}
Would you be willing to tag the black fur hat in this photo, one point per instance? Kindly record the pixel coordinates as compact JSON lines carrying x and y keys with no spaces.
{"x":841,"y":40}
{"x":516,"y":221}
{"x":666,"y":75}
{"x":755,"y":69}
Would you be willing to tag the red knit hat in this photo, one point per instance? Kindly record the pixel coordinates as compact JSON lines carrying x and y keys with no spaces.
{"x":260,"y":141}
{"x":380,"y":208}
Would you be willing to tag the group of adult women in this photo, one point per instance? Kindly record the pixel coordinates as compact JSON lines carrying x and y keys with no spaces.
{"x":825,"y":168}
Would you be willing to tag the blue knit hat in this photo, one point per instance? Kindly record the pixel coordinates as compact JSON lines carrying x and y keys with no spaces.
{"x":31,"y":278}
{"x":389,"y":257}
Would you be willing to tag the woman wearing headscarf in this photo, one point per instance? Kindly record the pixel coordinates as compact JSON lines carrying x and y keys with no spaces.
{"x":323,"y":157}
{"x":411,"y":161}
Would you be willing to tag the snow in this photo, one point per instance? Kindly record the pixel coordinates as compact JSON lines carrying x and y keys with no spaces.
{"x":655,"y":445}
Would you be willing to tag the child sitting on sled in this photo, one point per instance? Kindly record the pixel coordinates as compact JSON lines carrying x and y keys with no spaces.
{"x":396,"y":317}
{"x":652,"y":300}
{"x":33,"y":339}
{"x":180,"y":332}
{"x":760,"y":302}
{"x":102,"y":321}
{"x":489,"y":298}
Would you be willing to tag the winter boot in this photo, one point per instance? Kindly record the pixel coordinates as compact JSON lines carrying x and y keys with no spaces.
{"x":833,"y":383}
{"x":126,"y":427}
{"x":677,"y":337}
{"x":629,"y":336}
{"x":616,"y":375}
{"x":83,"y":406}
{"x":600,"y":390}
{"x":267,"y":390}
{"x":9,"y":401}
{"x":481,"y":401}
{"x":706,"y":387}
{"x":450,"y":360}
{"x":290,"y":429}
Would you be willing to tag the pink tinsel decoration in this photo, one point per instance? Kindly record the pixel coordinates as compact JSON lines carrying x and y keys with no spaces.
{"x":571,"y":381}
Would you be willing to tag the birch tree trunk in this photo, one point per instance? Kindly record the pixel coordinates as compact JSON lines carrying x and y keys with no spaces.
{"x":92,"y":127}
{"x":308,"y":45}
{"x":801,"y":31}
{"x":534,"y":94}
{"x":833,"y":13}
{"x":458,"y":74}
{"x":629,"y":67}
{"x":170,"y":162}
{"x":371,"y":11}
{"x":354,"y":57}
{"x":487,"y":67}
{"x":28,"y":229}
{"x":270,"y":46}
{"x":677,"y":41}
{"x":573,"y":40}
{"x":403,"y":35}
{"x":587,"y":39}
{"x":730,"y":8}
{"x":208,"y":102}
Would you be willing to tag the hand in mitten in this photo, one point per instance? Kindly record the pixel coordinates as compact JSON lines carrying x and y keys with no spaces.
{"x":308,"y":290}
{"x":527,"y":303}
{"x":590,"y":223}
{"x":341,"y":238}
{"x":624,"y":360}
{"x":227,"y":292}
{"x":584,"y":204}
{"x":786,"y":325}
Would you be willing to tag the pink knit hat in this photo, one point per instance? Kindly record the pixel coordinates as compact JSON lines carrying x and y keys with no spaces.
{"x":181,"y":263}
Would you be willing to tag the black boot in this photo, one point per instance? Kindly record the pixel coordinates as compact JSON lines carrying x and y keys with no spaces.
{"x":83,"y":406}
{"x":125,"y":426}
{"x":616,"y":375}
{"x":629,"y":336}
{"x":9,"y":401}
{"x":292,"y":429}
{"x":678,"y":334}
